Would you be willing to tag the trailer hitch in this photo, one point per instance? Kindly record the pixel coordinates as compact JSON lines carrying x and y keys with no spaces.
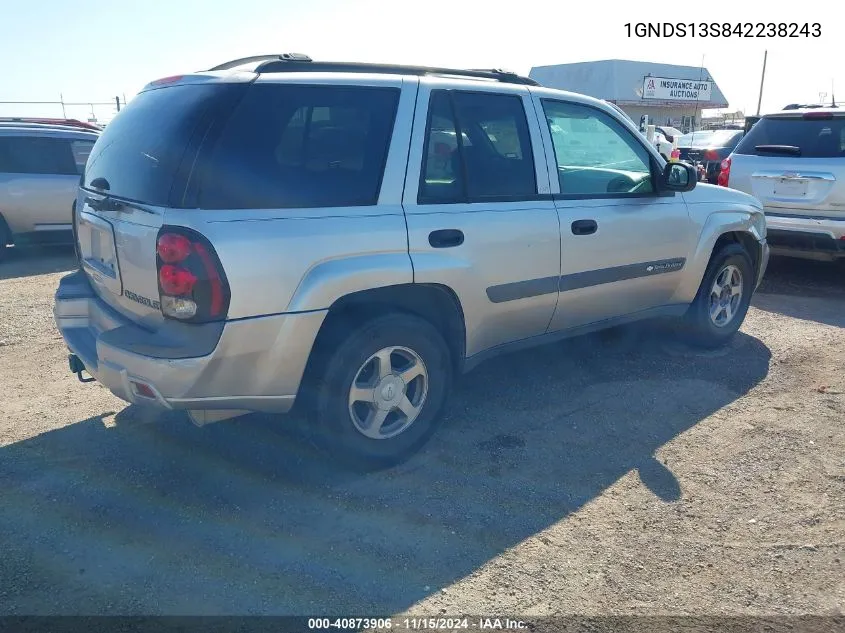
{"x":77,"y":367}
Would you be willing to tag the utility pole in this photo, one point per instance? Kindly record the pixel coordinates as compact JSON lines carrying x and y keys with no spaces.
{"x":117,"y":102}
{"x":762,"y":79}
{"x":62,"y":101}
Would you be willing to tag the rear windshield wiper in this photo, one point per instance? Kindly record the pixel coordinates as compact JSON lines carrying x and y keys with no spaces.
{"x":779,"y":149}
{"x":105,"y":204}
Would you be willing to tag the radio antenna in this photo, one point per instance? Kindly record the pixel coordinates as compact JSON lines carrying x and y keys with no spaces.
{"x":762,"y":79}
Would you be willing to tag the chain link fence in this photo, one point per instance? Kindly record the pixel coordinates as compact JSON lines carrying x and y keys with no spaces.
{"x":97,"y":112}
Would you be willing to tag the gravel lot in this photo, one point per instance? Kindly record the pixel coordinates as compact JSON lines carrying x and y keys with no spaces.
{"x":617,"y":473}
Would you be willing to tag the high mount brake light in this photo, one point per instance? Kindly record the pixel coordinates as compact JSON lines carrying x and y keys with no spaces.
{"x":166,"y":80}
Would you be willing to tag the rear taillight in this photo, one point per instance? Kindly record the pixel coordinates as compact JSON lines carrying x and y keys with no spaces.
{"x":725,"y":173}
{"x":173,"y":248}
{"x":711,"y":155}
{"x":191,"y":283}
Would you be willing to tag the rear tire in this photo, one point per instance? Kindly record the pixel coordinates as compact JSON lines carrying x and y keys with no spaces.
{"x":722,"y":301}
{"x":379,"y":391}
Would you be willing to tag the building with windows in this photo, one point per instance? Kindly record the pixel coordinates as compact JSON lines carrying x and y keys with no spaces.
{"x":670,"y":95}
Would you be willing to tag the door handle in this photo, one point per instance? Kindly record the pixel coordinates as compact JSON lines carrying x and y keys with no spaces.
{"x":584,"y":227}
{"x":446,"y":238}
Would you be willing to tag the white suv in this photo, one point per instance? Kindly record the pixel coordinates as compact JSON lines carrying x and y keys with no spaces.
{"x":794,"y":163}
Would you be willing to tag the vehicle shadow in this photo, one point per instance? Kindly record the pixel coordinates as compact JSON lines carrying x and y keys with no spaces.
{"x":29,"y":261}
{"x":144,"y":513}
{"x":803,"y":289}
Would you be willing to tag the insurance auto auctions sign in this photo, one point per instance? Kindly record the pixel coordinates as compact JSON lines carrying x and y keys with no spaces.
{"x":667,"y":89}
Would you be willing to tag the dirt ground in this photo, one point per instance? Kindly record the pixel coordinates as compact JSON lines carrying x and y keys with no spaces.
{"x":620,"y":473}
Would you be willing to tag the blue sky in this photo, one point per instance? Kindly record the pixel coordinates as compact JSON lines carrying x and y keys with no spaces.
{"x":92,"y":50}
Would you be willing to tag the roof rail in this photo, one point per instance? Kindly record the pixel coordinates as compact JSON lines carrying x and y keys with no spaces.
{"x":63,"y":123}
{"x":261,"y":58}
{"x":296,"y":62}
{"x":806,"y":106}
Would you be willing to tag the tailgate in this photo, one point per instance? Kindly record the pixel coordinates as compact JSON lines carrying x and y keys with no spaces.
{"x":814,"y":189}
{"x":138,"y":168}
{"x":117,"y":248}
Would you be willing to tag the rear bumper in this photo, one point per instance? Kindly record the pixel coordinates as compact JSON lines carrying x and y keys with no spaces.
{"x":806,"y":237}
{"x":256,"y":365}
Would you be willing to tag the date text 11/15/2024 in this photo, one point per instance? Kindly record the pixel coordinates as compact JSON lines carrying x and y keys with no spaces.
{"x":723,"y":29}
{"x":418,"y":624}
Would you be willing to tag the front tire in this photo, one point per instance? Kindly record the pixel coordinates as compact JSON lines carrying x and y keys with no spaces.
{"x":722,"y":301}
{"x":380,"y":391}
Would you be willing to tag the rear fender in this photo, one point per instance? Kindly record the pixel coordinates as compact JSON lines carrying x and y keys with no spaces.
{"x":328,"y":281}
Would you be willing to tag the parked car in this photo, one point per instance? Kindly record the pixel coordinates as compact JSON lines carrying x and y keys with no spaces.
{"x":794,"y":163}
{"x":278,"y":230}
{"x":707,"y":149}
{"x":40,"y":166}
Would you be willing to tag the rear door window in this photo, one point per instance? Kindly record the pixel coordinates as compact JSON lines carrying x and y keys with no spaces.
{"x":294,"y":146}
{"x":493,"y":159}
{"x":36,"y":155}
{"x":141,"y":149}
{"x":813,"y":138}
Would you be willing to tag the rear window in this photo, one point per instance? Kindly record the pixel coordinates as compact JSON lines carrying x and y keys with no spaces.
{"x":36,"y":155}
{"x":293,"y":146}
{"x":815,"y":138}
{"x":140,"y":150}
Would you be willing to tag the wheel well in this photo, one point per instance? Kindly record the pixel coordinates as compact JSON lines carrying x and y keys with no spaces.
{"x":746,"y":240}
{"x":435,"y":303}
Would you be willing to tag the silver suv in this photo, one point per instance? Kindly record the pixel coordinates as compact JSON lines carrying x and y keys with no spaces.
{"x":40,"y":165}
{"x":794,"y":162}
{"x":350,"y":236}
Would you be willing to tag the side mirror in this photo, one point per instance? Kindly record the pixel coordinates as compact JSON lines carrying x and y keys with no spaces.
{"x":679,"y":177}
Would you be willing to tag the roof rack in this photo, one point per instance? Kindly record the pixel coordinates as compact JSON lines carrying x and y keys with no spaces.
{"x":61,"y":123}
{"x":296,"y":62}
{"x":806,"y":106}
{"x":260,"y":58}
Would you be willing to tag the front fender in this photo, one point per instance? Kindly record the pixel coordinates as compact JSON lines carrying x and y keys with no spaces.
{"x":328,"y":281}
{"x":716,"y":224}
